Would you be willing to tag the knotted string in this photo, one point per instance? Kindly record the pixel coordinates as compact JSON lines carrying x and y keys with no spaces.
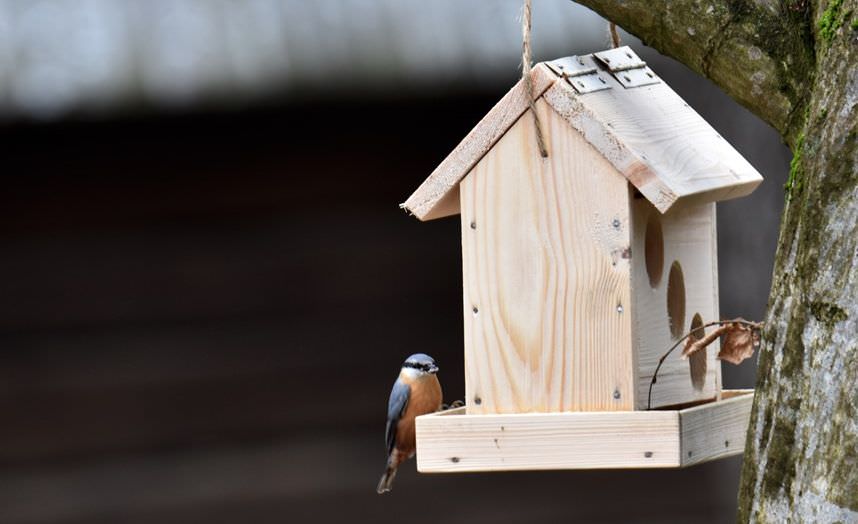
{"x":526,"y":56}
{"x":615,"y":35}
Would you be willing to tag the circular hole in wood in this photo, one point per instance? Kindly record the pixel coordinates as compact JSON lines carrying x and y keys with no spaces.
{"x":676,"y":300}
{"x":654,"y":249}
{"x":697,"y":361}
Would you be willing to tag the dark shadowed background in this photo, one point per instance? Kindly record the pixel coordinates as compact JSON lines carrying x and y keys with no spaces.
{"x":206,"y":284}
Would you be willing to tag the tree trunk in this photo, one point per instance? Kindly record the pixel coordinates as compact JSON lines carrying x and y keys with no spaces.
{"x":795,"y":64}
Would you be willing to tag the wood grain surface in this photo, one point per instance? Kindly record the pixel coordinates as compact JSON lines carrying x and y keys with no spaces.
{"x":546,"y":293}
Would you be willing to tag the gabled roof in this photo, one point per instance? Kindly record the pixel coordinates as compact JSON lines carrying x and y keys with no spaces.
{"x":640,"y":125}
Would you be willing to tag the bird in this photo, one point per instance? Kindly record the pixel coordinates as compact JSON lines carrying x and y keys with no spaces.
{"x":416,"y":392}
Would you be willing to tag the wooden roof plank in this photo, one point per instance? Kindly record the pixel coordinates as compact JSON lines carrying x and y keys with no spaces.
{"x":438,"y":195}
{"x":567,"y":103}
{"x":655,"y":139}
{"x":678,"y":145}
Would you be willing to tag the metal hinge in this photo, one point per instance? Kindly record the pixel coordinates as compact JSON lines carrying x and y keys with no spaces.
{"x":627,"y":67}
{"x":581,"y":72}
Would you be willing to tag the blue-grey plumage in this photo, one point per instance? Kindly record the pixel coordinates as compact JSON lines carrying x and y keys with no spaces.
{"x":416,"y":392}
{"x":395,"y":408}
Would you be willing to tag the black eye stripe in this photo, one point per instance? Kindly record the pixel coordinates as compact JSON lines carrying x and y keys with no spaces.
{"x":415,"y":365}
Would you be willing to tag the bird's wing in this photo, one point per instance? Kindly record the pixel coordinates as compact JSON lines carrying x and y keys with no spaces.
{"x":395,"y":408}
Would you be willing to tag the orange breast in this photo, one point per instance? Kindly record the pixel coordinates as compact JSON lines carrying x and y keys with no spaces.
{"x":426,"y":397}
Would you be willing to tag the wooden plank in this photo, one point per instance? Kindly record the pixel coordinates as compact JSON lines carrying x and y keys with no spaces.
{"x":448,"y":443}
{"x":668,"y":151}
{"x":546,"y":276}
{"x":716,"y":430}
{"x":454,"y":441}
{"x":437,"y":196}
{"x":689,"y":239}
{"x":566,"y":102}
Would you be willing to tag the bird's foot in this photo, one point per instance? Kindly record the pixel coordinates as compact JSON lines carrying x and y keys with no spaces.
{"x":453,"y":405}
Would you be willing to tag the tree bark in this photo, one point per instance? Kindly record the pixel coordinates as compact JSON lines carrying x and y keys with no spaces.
{"x":794,"y":63}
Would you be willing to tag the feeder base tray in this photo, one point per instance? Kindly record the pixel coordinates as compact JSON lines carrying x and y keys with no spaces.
{"x":453,"y":441}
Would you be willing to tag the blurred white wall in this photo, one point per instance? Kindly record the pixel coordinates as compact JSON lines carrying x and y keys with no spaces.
{"x":58,"y":56}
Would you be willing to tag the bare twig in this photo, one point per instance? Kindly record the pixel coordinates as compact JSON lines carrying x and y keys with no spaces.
{"x":742,"y":322}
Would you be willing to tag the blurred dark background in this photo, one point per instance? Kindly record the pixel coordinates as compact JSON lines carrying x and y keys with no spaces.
{"x":206,"y":284}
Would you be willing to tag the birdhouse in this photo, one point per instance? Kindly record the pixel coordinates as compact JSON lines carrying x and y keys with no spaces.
{"x":580,"y":270}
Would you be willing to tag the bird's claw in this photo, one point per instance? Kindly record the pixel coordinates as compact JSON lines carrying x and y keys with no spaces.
{"x":453,"y":405}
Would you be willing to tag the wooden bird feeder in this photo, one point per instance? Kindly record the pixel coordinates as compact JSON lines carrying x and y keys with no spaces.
{"x":580,"y":270}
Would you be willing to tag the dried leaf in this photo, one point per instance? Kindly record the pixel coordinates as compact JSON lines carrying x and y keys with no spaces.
{"x":693,"y":345}
{"x":740,"y":341}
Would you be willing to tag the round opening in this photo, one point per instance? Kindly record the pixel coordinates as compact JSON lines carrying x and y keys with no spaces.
{"x":697,"y":361}
{"x":654,"y":249}
{"x":676,"y":300}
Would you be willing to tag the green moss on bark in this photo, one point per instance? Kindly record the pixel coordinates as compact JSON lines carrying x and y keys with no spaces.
{"x":830,"y":21}
{"x":793,"y":184}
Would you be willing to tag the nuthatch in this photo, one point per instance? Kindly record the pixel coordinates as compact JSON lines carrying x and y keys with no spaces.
{"x":416,"y":392}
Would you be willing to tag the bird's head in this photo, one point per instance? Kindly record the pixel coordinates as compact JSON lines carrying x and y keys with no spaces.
{"x":419,"y":365}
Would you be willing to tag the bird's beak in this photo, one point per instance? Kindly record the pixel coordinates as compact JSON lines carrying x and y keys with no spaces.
{"x":433,"y":369}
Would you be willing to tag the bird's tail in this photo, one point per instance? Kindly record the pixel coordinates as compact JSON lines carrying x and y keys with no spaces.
{"x":386,"y":482}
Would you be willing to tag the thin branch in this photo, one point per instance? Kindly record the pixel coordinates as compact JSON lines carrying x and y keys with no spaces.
{"x":753,"y":325}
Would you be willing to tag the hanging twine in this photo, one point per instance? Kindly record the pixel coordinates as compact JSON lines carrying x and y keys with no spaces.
{"x":526,"y":56}
{"x":615,"y":35}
